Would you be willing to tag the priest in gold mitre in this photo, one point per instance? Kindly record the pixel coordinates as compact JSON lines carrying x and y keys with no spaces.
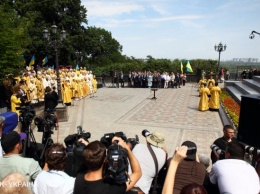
{"x":214,"y":102}
{"x":202,"y":82}
{"x":210,"y":82}
{"x":204,"y":99}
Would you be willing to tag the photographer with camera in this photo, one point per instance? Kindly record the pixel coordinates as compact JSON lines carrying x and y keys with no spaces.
{"x":95,"y":157}
{"x":219,"y":146}
{"x":143,"y":153}
{"x":234,"y":174}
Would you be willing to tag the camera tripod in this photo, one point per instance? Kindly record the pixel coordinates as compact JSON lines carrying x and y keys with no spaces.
{"x":35,"y":150}
{"x":30,"y":147}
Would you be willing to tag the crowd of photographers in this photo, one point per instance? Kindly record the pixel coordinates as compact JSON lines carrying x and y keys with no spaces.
{"x":117,"y":164}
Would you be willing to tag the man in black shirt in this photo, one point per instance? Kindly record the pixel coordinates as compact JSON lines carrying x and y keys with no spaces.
{"x":92,"y":182}
{"x":219,"y":146}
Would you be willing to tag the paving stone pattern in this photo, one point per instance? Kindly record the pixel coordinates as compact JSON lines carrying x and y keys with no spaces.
{"x":174,"y":113}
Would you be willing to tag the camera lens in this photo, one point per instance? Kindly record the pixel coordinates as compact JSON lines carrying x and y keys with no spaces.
{"x":146,"y":133}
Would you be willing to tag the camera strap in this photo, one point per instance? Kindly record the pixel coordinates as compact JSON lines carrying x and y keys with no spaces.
{"x":156,"y":168}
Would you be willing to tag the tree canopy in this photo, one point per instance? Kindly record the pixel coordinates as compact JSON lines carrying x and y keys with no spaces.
{"x":23,"y":21}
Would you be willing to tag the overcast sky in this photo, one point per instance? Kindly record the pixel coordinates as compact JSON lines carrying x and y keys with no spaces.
{"x":184,"y":29}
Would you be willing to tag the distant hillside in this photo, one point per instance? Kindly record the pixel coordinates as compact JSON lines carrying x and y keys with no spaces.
{"x":233,"y":65}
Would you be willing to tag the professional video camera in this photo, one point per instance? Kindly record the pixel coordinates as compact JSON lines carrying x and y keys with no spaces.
{"x":27,"y":114}
{"x":133,"y":141}
{"x":75,"y":151}
{"x":215,"y":148}
{"x":72,"y":142}
{"x":47,"y":122}
{"x":117,"y":159}
{"x":107,"y":138}
{"x":117,"y":164}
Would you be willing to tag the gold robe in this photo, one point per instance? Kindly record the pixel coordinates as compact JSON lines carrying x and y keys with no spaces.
{"x":210,"y":83}
{"x":94,"y":84}
{"x":214,"y":102}
{"x":66,"y":94}
{"x":204,"y":99}
{"x":202,"y":82}
{"x":15,"y":103}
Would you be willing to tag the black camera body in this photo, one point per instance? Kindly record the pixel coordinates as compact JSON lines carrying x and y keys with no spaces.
{"x":27,"y":114}
{"x":75,"y":150}
{"x":133,"y":141}
{"x":107,"y":138}
{"x":72,"y":142}
{"x":117,"y":164}
{"x":46,"y":123}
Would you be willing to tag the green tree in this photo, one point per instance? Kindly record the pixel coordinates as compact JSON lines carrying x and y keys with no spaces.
{"x":12,"y":38}
{"x":67,"y":15}
{"x":102,"y":47}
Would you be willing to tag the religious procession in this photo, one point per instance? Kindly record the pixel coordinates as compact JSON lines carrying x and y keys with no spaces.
{"x":37,"y":86}
{"x":209,"y":93}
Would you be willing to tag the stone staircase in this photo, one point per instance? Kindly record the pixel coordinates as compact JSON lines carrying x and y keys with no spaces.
{"x":247,"y":86}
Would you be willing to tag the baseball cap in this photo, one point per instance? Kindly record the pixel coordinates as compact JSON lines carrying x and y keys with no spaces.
{"x":2,"y":119}
{"x":11,"y":139}
{"x":192,"y":150}
{"x":156,"y":139}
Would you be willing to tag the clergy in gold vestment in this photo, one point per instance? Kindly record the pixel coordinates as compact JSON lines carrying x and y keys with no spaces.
{"x":66,"y":93}
{"x":201,"y":83}
{"x":15,"y":102}
{"x":204,"y":99}
{"x":214,"y":99}
{"x":94,"y":84}
{"x":210,"y":82}
{"x":40,"y":88}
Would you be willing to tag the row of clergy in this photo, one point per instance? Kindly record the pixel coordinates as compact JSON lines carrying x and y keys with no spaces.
{"x":73,"y":85}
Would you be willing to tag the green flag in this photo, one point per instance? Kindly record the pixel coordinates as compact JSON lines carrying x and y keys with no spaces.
{"x":188,"y":67}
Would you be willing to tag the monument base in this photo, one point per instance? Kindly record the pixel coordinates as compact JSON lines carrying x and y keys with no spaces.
{"x":62,"y":112}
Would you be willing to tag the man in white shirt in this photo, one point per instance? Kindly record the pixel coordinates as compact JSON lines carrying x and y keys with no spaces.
{"x":54,"y":180}
{"x":146,"y":161}
{"x":233,"y":174}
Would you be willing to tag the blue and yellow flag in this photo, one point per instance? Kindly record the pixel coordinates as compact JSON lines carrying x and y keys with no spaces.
{"x":181,"y":67}
{"x":188,"y":67}
{"x":32,"y":61}
{"x":45,"y":60}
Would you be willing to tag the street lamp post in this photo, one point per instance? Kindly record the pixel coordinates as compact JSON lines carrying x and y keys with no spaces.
{"x":220,"y":48}
{"x":251,"y":36}
{"x":79,"y":55}
{"x":55,"y":43}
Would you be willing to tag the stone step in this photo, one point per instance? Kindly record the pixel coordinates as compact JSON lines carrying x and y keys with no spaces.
{"x":254,"y":84}
{"x":256,"y":78}
{"x":235,"y":93}
{"x":244,"y":89}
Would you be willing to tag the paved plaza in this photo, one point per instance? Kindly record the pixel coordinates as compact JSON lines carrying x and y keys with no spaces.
{"x":130,"y":110}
